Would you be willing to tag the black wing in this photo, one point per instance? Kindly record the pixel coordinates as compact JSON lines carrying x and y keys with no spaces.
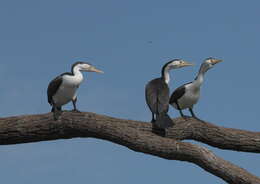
{"x":157,"y":96}
{"x":178,"y":93}
{"x":53,"y":88}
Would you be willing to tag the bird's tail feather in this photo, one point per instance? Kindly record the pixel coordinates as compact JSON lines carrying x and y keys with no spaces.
{"x":163,"y":120}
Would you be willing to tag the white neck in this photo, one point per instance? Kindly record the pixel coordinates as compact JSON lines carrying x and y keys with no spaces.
{"x":200,"y":77}
{"x":199,"y":80}
{"x":77,"y":74}
{"x":166,"y":75}
{"x":76,"y":70}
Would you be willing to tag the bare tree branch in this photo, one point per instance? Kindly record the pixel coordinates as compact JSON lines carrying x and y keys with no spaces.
{"x":135,"y":135}
{"x":224,"y":138}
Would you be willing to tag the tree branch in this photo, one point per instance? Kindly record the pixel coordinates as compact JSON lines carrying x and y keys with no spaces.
{"x":224,"y":138}
{"x":135,"y":135}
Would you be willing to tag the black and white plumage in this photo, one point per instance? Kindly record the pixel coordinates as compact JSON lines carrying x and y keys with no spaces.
{"x":63,"y":88}
{"x":157,"y":94}
{"x":185,"y":96}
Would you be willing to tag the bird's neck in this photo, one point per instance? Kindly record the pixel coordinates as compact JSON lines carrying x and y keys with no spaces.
{"x":166,"y":75}
{"x":200,"y":77}
{"x":77,"y":74}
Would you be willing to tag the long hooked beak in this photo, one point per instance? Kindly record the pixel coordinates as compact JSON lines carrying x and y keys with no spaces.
{"x":215,"y":61}
{"x":185,"y":63}
{"x":93,"y":69}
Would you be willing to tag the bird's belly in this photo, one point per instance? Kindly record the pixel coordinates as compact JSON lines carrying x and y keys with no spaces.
{"x":187,"y":100}
{"x":64,"y":95}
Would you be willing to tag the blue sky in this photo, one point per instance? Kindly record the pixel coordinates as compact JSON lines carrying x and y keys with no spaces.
{"x":130,"y":41}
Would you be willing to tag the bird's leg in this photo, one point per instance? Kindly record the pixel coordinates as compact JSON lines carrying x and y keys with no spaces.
{"x":56,"y":112}
{"x":59,"y":109}
{"x":155,"y":129}
{"x":153,"y":119}
{"x":74,"y":101}
{"x":182,"y":115}
{"x":192,"y":113}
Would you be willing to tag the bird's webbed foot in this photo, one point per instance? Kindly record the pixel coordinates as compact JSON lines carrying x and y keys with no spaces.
{"x":76,"y":110}
{"x":185,"y":117}
{"x":157,"y":130}
{"x":56,"y":115}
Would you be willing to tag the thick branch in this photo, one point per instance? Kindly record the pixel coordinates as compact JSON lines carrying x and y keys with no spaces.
{"x":132,"y":134}
{"x":224,"y":138}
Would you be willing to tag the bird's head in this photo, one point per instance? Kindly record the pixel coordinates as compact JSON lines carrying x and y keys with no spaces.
{"x":177,"y":63}
{"x":84,"y":66}
{"x":210,"y":62}
{"x":173,"y":64}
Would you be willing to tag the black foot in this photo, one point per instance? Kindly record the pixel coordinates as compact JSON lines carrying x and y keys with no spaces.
{"x":158,"y":131}
{"x":185,"y":117}
{"x":53,"y":109}
{"x":75,"y":110}
{"x":56,"y":115}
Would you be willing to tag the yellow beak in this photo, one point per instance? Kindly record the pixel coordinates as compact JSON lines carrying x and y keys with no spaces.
{"x":93,"y":69}
{"x":185,"y":63}
{"x":215,"y":61}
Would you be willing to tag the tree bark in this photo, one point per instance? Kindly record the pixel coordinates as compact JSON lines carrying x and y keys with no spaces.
{"x":138,"y":136}
{"x":208,"y":133}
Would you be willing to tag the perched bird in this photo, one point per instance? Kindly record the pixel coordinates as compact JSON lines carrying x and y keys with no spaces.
{"x":157,"y":94}
{"x":188,"y":94}
{"x":63,"y":88}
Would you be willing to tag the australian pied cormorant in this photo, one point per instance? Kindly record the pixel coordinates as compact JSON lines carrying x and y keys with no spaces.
{"x":157,"y":94}
{"x":188,"y":94}
{"x":63,"y":88}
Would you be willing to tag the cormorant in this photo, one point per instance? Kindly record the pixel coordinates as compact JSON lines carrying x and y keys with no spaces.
{"x":62,"y":89}
{"x":188,"y":94}
{"x":157,"y":94}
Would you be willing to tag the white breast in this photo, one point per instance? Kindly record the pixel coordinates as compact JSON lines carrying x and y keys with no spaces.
{"x":67,"y":90}
{"x":190,"y":97}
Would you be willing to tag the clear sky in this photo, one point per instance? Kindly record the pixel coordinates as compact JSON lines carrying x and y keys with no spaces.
{"x":130,"y":41}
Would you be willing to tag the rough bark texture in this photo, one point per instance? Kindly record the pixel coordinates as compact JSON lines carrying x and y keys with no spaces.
{"x":224,"y":138}
{"x":138,"y":136}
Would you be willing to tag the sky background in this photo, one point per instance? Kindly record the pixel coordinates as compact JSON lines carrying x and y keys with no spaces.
{"x":130,"y":41}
